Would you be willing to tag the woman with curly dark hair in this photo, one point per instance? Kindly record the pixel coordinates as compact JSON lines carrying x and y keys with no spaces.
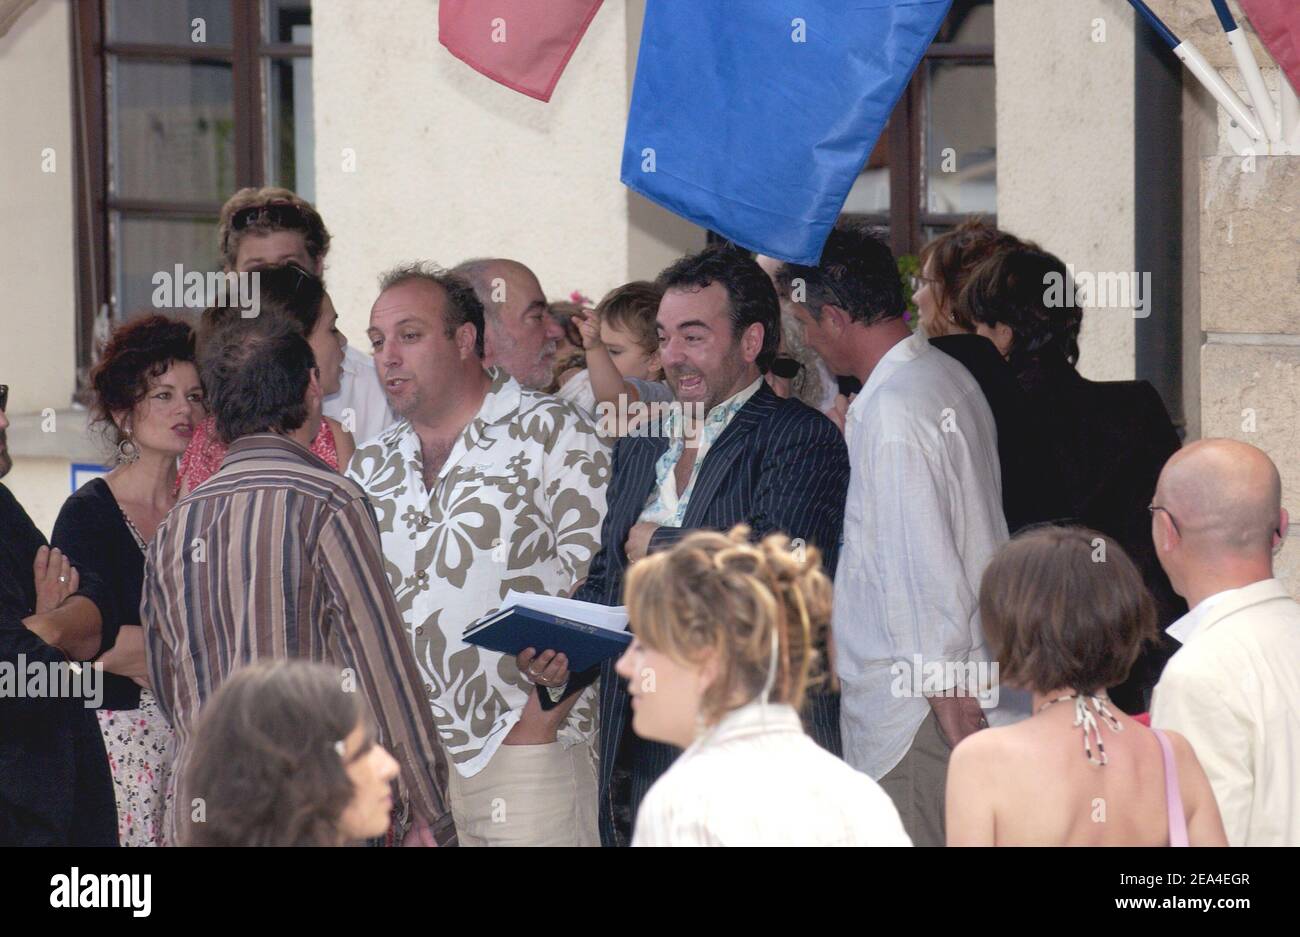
{"x":285,"y":756}
{"x":147,"y":401}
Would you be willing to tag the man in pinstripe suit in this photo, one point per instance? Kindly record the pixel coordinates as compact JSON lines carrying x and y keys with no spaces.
{"x":754,"y":458}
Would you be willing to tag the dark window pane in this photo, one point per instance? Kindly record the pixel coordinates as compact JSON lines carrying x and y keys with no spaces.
{"x":960,"y":140}
{"x":969,"y":23}
{"x":930,"y":232}
{"x":148,"y":246}
{"x":172,"y":131}
{"x":170,"y":21}
{"x":282,"y":21}
{"x":290,"y":133}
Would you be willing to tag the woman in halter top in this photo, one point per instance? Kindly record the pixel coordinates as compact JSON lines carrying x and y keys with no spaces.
{"x":1065,"y":613}
{"x":290,"y":292}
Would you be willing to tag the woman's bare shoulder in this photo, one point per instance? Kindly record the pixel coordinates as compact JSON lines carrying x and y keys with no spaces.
{"x":991,"y":746}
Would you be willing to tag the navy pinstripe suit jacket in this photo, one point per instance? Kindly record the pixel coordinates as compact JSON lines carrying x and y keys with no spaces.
{"x":779,"y":466}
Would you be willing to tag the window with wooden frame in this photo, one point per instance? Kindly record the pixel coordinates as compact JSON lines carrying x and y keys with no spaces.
{"x":178,"y":104}
{"x":936,"y":163}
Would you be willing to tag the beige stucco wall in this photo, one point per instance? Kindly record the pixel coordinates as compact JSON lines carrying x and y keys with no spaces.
{"x":1065,"y":149}
{"x":41,"y":486}
{"x":37,"y":257}
{"x":451,"y":165}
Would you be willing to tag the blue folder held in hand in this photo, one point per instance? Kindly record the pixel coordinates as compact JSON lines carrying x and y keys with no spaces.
{"x":584,"y":632}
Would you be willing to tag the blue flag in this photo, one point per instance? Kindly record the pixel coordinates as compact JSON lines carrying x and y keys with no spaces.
{"x":754,"y":117}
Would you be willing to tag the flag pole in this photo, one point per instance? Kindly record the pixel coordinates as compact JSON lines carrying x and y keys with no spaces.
{"x":1259,"y":96}
{"x":1290,"y":114}
{"x":1205,"y":73}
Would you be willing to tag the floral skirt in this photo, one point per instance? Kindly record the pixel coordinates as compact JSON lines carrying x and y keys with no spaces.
{"x":140,"y":745}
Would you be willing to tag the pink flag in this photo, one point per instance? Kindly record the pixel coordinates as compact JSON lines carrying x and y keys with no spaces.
{"x":1278,"y":24}
{"x":524,"y":44}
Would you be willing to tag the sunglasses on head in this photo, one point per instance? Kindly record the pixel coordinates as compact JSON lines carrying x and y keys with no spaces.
{"x":4,"y":397}
{"x":786,"y":368}
{"x":277,"y":214}
{"x":302,"y":277}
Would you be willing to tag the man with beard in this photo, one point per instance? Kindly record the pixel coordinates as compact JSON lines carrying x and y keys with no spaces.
{"x":521,"y":336}
{"x":731,"y":452}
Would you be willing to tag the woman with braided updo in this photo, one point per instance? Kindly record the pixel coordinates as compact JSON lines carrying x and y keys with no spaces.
{"x":725,"y":637}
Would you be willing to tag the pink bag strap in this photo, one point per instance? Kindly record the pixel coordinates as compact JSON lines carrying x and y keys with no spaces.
{"x":1173,"y":796}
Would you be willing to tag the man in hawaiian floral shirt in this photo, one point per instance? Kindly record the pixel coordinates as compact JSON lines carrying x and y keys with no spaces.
{"x":482,"y":487}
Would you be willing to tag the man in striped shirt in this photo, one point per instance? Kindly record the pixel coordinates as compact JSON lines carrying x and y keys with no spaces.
{"x":277,"y":555}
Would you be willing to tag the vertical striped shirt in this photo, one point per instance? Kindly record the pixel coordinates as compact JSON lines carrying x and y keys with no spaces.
{"x":278,"y":556}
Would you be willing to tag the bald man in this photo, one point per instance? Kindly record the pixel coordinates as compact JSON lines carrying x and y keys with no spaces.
{"x":1233,"y":690}
{"x":521,"y":335}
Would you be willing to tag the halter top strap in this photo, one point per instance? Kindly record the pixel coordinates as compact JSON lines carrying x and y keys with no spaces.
{"x":1173,"y":796}
{"x":1087,"y":707}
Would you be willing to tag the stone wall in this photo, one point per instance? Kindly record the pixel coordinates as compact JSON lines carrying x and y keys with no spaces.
{"x":1244,"y":237}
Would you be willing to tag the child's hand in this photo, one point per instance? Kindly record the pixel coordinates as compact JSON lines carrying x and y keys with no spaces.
{"x":589,"y":325}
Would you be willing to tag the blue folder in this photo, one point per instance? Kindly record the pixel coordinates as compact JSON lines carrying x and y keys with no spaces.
{"x":513,"y":629}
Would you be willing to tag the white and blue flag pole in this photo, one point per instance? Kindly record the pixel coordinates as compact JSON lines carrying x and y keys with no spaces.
{"x":1205,"y":73}
{"x":1259,"y":96}
{"x":1290,"y":114}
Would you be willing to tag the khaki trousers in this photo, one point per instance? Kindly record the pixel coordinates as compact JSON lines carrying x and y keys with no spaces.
{"x":528,"y":795}
{"x":917,"y":785}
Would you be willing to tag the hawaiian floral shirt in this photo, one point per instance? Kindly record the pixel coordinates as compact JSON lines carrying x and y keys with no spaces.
{"x":664,"y":507}
{"x":518,"y":505}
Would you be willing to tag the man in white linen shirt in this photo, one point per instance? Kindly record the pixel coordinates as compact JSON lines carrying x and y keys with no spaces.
{"x":1233,"y":689}
{"x":923,"y":519}
{"x":482,"y":487}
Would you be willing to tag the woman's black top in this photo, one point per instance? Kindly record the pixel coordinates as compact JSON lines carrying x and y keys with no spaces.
{"x":1111,"y":439}
{"x":1032,"y":490}
{"x":92,"y":531}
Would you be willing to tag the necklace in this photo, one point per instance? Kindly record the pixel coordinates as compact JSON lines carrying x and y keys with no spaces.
{"x":1083,"y":716}
{"x":130,"y":525}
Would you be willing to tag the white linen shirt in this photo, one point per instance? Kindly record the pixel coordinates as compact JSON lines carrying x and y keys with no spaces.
{"x":922,"y":520}
{"x":755,"y":779}
{"x":1233,"y":691}
{"x":519,"y":505}
{"x":579,"y":392}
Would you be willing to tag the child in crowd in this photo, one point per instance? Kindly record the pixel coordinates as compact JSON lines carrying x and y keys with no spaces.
{"x":622,"y":348}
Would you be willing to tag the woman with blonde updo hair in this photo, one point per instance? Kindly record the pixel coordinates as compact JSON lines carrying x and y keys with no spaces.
{"x":725,"y":637}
